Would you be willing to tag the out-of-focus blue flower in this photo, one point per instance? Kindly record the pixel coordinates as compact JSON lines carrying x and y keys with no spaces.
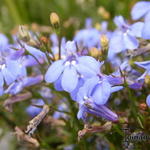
{"x":18,"y":85}
{"x":148,"y":100}
{"x":3,"y":42}
{"x":9,"y":70}
{"x":38,"y":54}
{"x":124,"y":37}
{"x":33,"y":110}
{"x":61,"y":107}
{"x":88,"y":37}
{"x":68,"y":71}
{"x":130,"y":74}
{"x":140,"y":10}
{"x":55,"y":45}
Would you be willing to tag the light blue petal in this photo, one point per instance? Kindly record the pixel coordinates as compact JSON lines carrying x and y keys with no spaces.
{"x":146,"y":30}
{"x":116,"y":44}
{"x":14,"y":88}
{"x":116,"y":88}
{"x":147,"y":17}
{"x":82,"y":113}
{"x":86,"y":89}
{"x":13,"y":67}
{"x":85,"y":71}
{"x":143,"y":64}
{"x":74,"y":93}
{"x":140,"y":9}
{"x":1,"y":91}
{"x":1,"y":80}
{"x":69,"y":79}
{"x":136,"y":29}
{"x":54,"y":71}
{"x":57,"y":84}
{"x":148,"y":100}
{"x":90,"y":62}
{"x":130,"y":42}
{"x":119,"y":21}
{"x":70,"y":47}
{"x":9,"y":78}
{"x":29,"y":81}
{"x":102,"y":92}
{"x":3,"y":42}
{"x":35,"y":52}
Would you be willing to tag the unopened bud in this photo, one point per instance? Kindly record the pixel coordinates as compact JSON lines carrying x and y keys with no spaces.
{"x":54,"y":19}
{"x":98,"y":26}
{"x":104,"y":41}
{"x":147,"y":79}
{"x":23,"y":33}
{"x":103,"y":12}
{"x":95,"y":52}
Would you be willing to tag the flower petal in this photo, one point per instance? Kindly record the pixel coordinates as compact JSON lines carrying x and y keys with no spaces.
{"x":54,"y":71}
{"x":148,"y":100}
{"x":116,"y":44}
{"x":69,"y":79}
{"x":90,"y":62}
{"x":136,"y":29}
{"x":130,"y":41}
{"x":146,"y":30}
{"x":102,"y":92}
{"x":119,"y":21}
{"x":140,"y":9}
{"x":1,"y":80}
{"x":9,"y":78}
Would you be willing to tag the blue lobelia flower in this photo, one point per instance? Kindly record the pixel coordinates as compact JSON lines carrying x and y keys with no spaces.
{"x":18,"y":85}
{"x":88,"y":37}
{"x":55,"y":45}
{"x":124,"y":37}
{"x":130,"y":75}
{"x":140,"y":10}
{"x":10,"y":68}
{"x":33,"y":110}
{"x":93,"y":96}
{"x":66,"y":72}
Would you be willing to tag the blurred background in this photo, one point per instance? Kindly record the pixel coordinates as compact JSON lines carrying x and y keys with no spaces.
{"x":15,"y":12}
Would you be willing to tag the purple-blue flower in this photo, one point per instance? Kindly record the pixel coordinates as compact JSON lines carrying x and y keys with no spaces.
{"x":18,"y":85}
{"x":93,"y":96}
{"x":68,"y":71}
{"x":124,"y":37}
{"x":142,"y":10}
{"x":33,"y":110}
{"x":88,"y":37}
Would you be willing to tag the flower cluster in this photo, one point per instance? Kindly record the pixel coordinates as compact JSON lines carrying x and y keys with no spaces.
{"x":76,"y":71}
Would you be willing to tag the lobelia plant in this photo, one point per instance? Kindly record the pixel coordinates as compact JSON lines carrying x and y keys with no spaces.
{"x":85,"y":86}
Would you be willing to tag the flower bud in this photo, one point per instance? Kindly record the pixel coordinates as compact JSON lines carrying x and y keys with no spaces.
{"x":54,"y":19}
{"x":95,"y":52}
{"x":23,"y":33}
{"x":147,"y":79}
{"x":104,"y":41}
{"x":103,"y":12}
